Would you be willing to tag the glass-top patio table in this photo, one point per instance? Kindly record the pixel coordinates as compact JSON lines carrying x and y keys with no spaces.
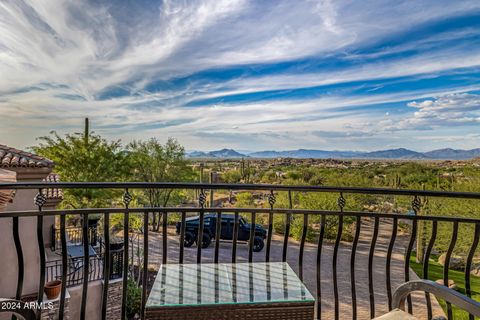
{"x":229,"y":291}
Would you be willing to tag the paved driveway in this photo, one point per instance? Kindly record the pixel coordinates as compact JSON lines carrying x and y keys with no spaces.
{"x":309,"y":266}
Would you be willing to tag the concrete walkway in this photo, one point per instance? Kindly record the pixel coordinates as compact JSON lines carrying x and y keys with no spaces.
{"x":309,"y":268}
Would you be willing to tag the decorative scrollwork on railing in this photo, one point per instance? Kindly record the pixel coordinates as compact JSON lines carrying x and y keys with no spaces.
{"x":127,"y":198}
{"x":40,"y":200}
{"x":271,"y":199}
{"x":341,"y":201}
{"x":416,"y":204}
{"x":202,"y":198}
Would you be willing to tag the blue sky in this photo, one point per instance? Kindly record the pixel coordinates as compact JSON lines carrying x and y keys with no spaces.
{"x":249,"y":75}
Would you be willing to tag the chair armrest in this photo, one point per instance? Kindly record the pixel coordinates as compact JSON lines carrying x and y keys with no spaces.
{"x":440,"y":291}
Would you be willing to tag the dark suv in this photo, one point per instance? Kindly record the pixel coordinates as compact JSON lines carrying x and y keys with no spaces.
{"x":228,"y":222}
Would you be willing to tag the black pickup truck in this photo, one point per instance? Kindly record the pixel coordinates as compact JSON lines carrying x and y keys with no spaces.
{"x":227,"y":226}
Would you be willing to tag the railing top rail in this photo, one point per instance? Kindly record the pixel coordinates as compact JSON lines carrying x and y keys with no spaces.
{"x":225,"y":186}
{"x":450,"y":218}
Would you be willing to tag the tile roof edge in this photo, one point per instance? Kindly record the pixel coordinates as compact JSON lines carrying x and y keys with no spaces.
{"x":15,"y":158}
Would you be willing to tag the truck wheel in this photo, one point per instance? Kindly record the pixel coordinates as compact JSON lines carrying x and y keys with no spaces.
{"x":205,"y":241}
{"x":189,"y":239}
{"x":258,"y":244}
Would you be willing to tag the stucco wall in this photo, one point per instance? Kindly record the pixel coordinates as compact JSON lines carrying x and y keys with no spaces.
{"x":28,"y":238}
{"x":24,"y":200}
{"x":94,"y":301}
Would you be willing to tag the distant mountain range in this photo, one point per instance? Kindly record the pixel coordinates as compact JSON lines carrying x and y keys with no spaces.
{"x":400,"y":153}
{"x":224,"y":153}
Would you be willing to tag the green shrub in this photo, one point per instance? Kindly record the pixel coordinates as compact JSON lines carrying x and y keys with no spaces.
{"x":134,"y":299}
{"x":296,"y":229}
{"x":316,"y":180}
{"x":232,"y":176}
{"x":293,"y":175}
{"x":279,"y":223}
{"x":244,"y":200}
{"x":173,"y":218}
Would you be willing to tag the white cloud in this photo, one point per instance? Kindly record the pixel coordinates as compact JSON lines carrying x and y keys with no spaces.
{"x":457,"y":109}
{"x":54,"y":49}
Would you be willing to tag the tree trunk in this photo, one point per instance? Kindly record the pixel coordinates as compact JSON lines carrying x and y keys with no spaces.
{"x":156,"y":225}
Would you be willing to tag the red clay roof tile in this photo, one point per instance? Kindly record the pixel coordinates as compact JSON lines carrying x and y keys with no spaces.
{"x":13,"y":158}
{"x":53,"y":193}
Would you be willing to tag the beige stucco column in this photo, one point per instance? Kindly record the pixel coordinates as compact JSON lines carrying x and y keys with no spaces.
{"x":23,"y":200}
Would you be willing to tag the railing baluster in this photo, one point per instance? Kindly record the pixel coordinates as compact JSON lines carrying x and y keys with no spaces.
{"x":391,"y":244}
{"x":86,"y":266}
{"x":319,"y":267}
{"x":302,"y":246}
{"x":370,"y":267}
{"x":407,"y":262}
{"x":287,"y":227}
{"x":468,"y":266}
{"x":106,"y":263}
{"x":94,"y":273}
{"x":252,"y":237}
{"x":164,"y":237}
{"x":201,"y":201}
{"x":234,"y":282}
{"x":145,"y":264}
{"x":416,"y":205}
{"x":20,"y":261}
{"x":251,"y":292}
{"x":180,"y":285}
{"x":127,"y":197}
{"x":235,"y":237}
{"x":341,"y":205}
{"x":216,"y":284}
{"x":453,"y":241}
{"x":218,"y":230}
{"x":63,"y":292}
{"x":182,"y":237}
{"x":269,"y":282}
{"x":426,"y":260}
{"x":334,"y":265}
{"x":358,"y":225}
{"x":40,"y":200}
{"x":271,"y":202}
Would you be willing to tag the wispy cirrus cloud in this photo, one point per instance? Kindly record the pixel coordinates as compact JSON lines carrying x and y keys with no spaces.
{"x":240,"y":73}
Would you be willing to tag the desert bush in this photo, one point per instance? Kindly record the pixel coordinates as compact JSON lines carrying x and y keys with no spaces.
{"x":134,"y":299}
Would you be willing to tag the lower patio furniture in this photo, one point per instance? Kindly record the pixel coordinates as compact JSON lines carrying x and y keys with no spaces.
{"x":438,"y":290}
{"x":75,"y":253}
{"x":229,"y":291}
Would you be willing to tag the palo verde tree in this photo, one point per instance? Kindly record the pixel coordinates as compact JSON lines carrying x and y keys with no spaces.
{"x":152,"y":161}
{"x":85,"y":157}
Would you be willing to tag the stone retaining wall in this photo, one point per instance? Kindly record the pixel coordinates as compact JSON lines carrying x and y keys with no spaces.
{"x":114,"y":301}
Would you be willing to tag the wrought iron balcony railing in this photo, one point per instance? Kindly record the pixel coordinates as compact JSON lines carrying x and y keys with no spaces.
{"x":74,"y":236}
{"x":341,"y":270}
{"x":75,"y":275}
